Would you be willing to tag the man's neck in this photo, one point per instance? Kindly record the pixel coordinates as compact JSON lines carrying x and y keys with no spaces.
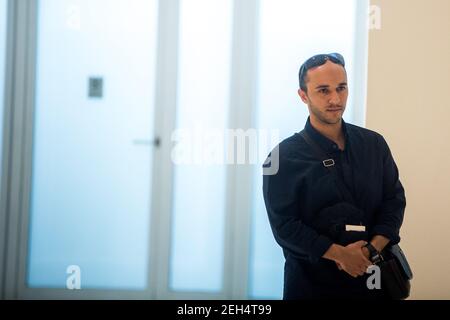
{"x":331,"y":131}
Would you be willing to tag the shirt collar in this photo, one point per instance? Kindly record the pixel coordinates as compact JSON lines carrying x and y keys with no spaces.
{"x":325,"y":143}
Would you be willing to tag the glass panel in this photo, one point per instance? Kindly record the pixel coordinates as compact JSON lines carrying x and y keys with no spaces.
{"x":91,"y":184}
{"x":286,"y":41}
{"x":3,"y":12}
{"x":204,"y":78}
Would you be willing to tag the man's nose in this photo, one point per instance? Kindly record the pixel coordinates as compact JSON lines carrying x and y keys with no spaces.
{"x":335,"y":99}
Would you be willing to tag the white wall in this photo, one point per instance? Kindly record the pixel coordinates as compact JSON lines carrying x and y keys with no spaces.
{"x":408,"y":86}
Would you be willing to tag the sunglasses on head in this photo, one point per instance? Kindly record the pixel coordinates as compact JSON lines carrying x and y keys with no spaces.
{"x":319,"y":60}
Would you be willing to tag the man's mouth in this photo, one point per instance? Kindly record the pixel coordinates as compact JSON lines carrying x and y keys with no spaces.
{"x":332,"y":110}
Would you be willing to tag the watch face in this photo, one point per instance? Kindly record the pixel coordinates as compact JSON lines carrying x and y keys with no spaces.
{"x":376,"y":258}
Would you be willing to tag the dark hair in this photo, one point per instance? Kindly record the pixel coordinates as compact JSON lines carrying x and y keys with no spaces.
{"x":316,"y":61}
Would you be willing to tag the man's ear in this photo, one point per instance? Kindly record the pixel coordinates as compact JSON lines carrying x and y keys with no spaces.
{"x":303,"y":96}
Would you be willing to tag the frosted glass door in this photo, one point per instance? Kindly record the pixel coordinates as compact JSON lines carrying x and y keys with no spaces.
{"x":92,"y":160}
{"x":197,"y":248}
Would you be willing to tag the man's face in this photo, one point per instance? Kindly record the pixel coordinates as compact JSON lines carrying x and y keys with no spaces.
{"x":327,"y":92}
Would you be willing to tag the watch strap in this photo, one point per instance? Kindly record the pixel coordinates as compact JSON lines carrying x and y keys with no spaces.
{"x":374,"y":254}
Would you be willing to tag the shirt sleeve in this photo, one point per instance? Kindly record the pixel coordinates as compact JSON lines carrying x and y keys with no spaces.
{"x":282,"y":205}
{"x":389,"y":217}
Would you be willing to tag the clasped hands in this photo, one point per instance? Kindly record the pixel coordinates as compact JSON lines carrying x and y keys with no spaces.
{"x":354,"y":259}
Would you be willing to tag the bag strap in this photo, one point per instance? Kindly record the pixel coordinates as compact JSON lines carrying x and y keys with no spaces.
{"x":329,"y":163}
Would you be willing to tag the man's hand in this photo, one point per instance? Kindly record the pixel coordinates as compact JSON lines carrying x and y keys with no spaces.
{"x":379,"y":242}
{"x":366,"y":252}
{"x":351,"y":258}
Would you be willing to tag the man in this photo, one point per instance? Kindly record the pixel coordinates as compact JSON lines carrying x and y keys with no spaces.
{"x":330,"y":240}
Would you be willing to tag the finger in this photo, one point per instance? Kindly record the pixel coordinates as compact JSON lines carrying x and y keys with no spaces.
{"x":366,"y":264}
{"x":354,"y":273}
{"x":361,"y":243}
{"x":365,"y":268}
{"x":361,"y":270}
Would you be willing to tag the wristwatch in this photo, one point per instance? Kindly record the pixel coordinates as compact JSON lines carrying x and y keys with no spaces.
{"x":374,"y":255}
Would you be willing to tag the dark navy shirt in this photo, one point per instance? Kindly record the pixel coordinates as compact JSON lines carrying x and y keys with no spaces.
{"x":304,"y":205}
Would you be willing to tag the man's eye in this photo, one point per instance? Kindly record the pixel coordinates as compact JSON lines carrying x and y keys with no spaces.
{"x":324,"y":91}
{"x":339,"y":89}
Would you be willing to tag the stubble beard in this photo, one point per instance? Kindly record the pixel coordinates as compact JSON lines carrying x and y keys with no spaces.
{"x":322,"y":117}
